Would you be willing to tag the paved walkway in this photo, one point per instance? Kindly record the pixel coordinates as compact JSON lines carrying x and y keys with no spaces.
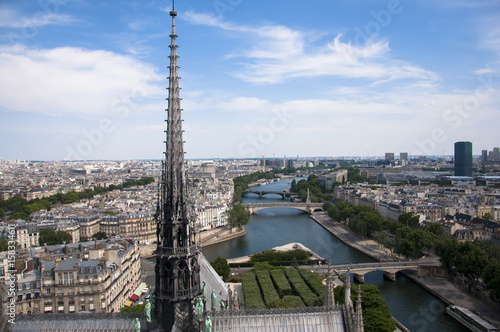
{"x":369,"y":248}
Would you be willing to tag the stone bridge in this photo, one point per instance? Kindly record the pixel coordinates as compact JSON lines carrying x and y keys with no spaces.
{"x":307,"y":207}
{"x":389,"y":268}
{"x":283,"y":194}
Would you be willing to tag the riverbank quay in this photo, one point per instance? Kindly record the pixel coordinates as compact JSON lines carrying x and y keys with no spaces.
{"x":442,"y":288}
{"x":370,"y":248}
{"x":221,"y":234}
{"x":450,"y":294}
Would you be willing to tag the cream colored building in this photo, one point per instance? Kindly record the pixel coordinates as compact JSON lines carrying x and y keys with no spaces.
{"x":26,"y":234}
{"x":82,"y":277}
{"x":139,"y":226}
{"x":89,"y":226}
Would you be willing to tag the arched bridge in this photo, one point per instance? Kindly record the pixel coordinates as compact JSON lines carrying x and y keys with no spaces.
{"x":307,"y":207}
{"x":389,"y":268}
{"x":283,"y":194}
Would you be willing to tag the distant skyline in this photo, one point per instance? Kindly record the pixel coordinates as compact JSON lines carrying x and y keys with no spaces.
{"x":81,"y":79}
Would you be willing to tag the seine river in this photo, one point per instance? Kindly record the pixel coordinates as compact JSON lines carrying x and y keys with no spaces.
{"x":412,"y":305}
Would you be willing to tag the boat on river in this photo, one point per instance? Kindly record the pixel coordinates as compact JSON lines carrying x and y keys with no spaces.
{"x":469,"y":319}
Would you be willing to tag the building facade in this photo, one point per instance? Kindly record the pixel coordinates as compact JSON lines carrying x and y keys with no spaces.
{"x":83,"y":277}
{"x":140,"y":226}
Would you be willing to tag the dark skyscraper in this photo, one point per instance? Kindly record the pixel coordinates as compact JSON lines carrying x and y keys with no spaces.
{"x":484,"y":156}
{"x":463,"y":159}
{"x":177,"y":268}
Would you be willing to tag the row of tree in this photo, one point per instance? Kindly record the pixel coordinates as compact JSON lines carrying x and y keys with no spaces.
{"x":476,"y":261}
{"x":403,"y":236}
{"x":21,"y":208}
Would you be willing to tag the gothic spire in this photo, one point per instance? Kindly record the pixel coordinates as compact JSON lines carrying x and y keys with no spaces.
{"x":359,"y":312}
{"x":177,"y":268}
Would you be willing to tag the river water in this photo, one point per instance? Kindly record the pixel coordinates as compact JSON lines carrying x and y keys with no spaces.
{"x":412,"y":305}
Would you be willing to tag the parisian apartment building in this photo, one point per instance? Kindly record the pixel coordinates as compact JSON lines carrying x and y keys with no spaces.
{"x":97,"y":276}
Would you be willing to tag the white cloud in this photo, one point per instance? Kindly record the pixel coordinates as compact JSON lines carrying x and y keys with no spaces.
{"x":276,"y":53}
{"x":76,"y":81}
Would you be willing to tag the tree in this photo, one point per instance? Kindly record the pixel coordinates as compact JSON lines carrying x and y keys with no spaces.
{"x":487,"y":216}
{"x":221,"y":266}
{"x":237,"y":215}
{"x":435,"y":229}
{"x":19,"y":215}
{"x":409,"y":220}
{"x":376,"y":312}
{"x":2,"y":213}
{"x":491,"y":278}
{"x":3,"y":245}
{"x":51,"y":237}
{"x":100,"y":236}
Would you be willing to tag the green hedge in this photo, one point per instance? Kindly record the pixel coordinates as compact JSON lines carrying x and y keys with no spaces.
{"x":281,"y":256}
{"x":314,"y":281}
{"x":251,"y":291}
{"x":267,"y":288}
{"x":282,"y":285}
{"x":301,"y":289}
{"x":280,"y":263}
{"x":292,"y":301}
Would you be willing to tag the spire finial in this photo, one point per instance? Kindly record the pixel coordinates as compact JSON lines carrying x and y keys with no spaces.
{"x":173,"y":12}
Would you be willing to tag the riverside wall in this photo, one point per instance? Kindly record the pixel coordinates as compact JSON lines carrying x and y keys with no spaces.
{"x":206,"y":238}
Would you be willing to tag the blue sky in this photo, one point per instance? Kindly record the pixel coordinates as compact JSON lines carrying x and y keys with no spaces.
{"x":83,"y":79}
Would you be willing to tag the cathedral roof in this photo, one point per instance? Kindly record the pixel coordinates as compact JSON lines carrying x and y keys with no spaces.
{"x":276,"y":320}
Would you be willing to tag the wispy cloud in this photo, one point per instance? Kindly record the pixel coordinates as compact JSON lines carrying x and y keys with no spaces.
{"x":277,"y":53}
{"x":11,"y":18}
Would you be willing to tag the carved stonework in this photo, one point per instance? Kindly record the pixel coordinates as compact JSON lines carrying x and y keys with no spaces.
{"x":177,"y":269}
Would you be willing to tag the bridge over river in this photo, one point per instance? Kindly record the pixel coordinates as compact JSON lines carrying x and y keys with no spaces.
{"x":261,"y":193}
{"x":389,"y":268}
{"x":307,"y":207}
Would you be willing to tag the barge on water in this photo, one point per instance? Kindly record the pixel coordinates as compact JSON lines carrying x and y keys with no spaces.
{"x":469,"y":319}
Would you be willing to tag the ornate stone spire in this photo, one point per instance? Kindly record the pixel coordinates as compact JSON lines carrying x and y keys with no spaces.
{"x":347,"y":297}
{"x":177,"y":268}
{"x":359,"y":312}
{"x":329,"y":300}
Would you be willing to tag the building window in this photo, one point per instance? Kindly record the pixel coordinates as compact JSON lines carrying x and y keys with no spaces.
{"x":65,"y":278}
{"x":47,"y":291}
{"x":59,"y":278}
{"x":82,"y":308}
{"x":71,"y":280}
